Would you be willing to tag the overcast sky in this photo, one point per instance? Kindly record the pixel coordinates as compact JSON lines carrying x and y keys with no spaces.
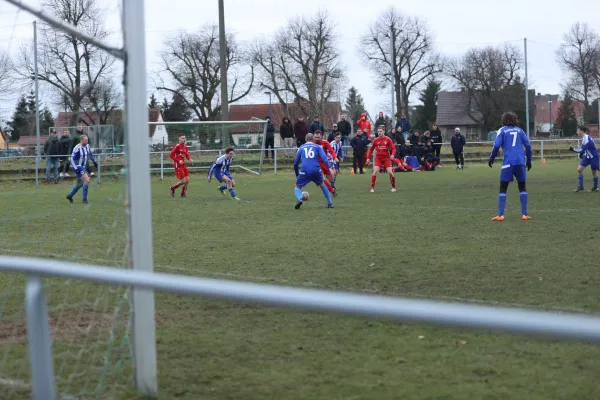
{"x":457,"y":25}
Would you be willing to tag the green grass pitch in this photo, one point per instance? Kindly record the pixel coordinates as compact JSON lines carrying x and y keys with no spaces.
{"x":431,"y":239}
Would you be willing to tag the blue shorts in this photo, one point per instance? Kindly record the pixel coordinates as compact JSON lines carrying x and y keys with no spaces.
{"x":508,"y":173}
{"x":304,"y":178}
{"x":219,"y":175}
{"x":594,"y":163}
{"x":336,"y":166}
{"x":80,"y":174}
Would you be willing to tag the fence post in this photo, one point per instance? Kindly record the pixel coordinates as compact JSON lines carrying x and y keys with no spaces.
{"x":542,"y":150}
{"x":99,"y":166}
{"x":275,"y":161}
{"x":162,"y":165}
{"x":40,"y":345}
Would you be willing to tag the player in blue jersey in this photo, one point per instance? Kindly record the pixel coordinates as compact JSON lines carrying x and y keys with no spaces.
{"x":337,"y":145}
{"x":80,"y":158}
{"x":220,"y":169}
{"x":589,"y":156}
{"x":512,"y":140}
{"x":310,"y":154}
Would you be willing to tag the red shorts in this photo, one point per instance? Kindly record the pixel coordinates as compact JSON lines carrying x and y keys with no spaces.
{"x":181,"y":171}
{"x":387,"y":163}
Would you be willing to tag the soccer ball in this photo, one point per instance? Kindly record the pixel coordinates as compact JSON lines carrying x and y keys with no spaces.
{"x":305,"y":196}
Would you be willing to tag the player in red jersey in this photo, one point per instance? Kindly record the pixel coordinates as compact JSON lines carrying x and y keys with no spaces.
{"x":383,"y":157}
{"x":401,"y":166}
{"x":179,"y":154}
{"x":327,"y":170}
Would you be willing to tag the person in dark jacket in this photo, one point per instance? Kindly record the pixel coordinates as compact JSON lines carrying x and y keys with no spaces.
{"x":458,"y":145}
{"x":359,"y":144}
{"x":414,"y":140}
{"x":334,"y":132}
{"x":65,"y":143}
{"x":300,"y":131}
{"x":404,"y":125}
{"x":436,"y":136}
{"x":316,"y":125}
{"x":426,"y":138}
{"x":398,"y":137}
{"x":419,"y":150}
{"x":345,"y":129}
{"x":270,"y":138}
{"x":381,"y":121}
{"x":431,"y":161}
{"x":52,"y":152}
{"x":286,"y":131}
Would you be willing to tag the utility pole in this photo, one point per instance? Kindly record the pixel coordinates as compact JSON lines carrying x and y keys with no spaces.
{"x":223,"y":68}
{"x":393,"y":71}
{"x":526,"y":90}
{"x":37,"y":104}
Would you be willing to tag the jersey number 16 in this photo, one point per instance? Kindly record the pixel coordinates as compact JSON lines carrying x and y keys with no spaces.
{"x":309,"y":153}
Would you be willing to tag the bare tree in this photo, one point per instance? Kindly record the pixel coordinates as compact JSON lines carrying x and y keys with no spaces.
{"x":579,"y":56}
{"x":406,"y":46}
{"x":6,"y":72}
{"x":70,"y":65}
{"x":301,"y":60}
{"x":490,"y":78}
{"x":191,"y":69}
{"x":104,"y":97}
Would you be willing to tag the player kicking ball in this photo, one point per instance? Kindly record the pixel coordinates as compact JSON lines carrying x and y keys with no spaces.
{"x":220,"y":169}
{"x":589,"y":156}
{"x":311,"y":155}
{"x":383,"y":158}
{"x":179,"y":154}
{"x":512,"y":140}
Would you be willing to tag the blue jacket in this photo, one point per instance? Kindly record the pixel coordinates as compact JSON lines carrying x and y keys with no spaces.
{"x":359,"y":143}
{"x":458,"y":143}
{"x":403,"y":124}
{"x":316,"y":126}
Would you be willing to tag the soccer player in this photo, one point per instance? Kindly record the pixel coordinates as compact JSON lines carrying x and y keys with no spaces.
{"x":589,"y":156}
{"x":312,"y":156}
{"x":220,"y":169}
{"x":512,"y":139}
{"x":326,"y":167}
{"x":401,"y":166}
{"x":79,"y":160}
{"x":337,"y":145}
{"x":383,"y":157}
{"x":179,"y":154}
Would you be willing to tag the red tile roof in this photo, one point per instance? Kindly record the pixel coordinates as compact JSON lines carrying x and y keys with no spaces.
{"x":31,"y":140}
{"x":542,"y":108}
{"x":68,"y":119}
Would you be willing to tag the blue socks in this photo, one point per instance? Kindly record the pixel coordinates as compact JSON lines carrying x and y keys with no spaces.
{"x":75,"y":189}
{"x":232,"y":192}
{"x":580,"y":178}
{"x":85,"y":190}
{"x":222,"y":187}
{"x":501,"y":203}
{"x":523,"y":198}
{"x":595,"y":182}
{"x":326,"y":194}
{"x":298,"y":193}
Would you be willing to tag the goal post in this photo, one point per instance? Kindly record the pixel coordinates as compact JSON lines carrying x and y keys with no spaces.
{"x":205,"y":142}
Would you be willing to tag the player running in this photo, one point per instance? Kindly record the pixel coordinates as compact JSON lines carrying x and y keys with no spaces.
{"x":312,"y":156}
{"x":589,"y":156}
{"x":179,"y":154}
{"x":383,"y":157}
{"x":337,"y":145}
{"x":512,"y":139}
{"x":79,"y":160}
{"x":220,"y":169}
{"x":327,"y":166}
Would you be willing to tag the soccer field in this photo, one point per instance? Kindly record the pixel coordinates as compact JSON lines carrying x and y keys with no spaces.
{"x":433,"y":238}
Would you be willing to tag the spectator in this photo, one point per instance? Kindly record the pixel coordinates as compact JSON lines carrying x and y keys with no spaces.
{"x":300,"y":131}
{"x":334,"y":132}
{"x":316,"y":125}
{"x":415,"y":138}
{"x":426,"y":138}
{"x":381,"y":121}
{"x":404,"y":125}
{"x":431,"y":161}
{"x":270,"y":138}
{"x":345,"y":129}
{"x":65,"y":151}
{"x":359,"y":145}
{"x":365,"y":125}
{"x":419,"y":152}
{"x":402,"y":151}
{"x":398,"y":137}
{"x":52,"y":150}
{"x":286,"y":131}
{"x":458,"y":145}
{"x":436,"y":136}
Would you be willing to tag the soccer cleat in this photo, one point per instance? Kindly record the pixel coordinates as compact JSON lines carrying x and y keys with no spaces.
{"x":334,"y":194}
{"x":298,"y":205}
{"x":393,"y":190}
{"x":183,"y":196}
{"x":70,"y":199}
{"x":372,"y":190}
{"x":579,"y":189}
{"x":235,"y":198}
{"x":172,"y":191}
{"x":525,"y":217}
{"x":593,"y":190}
{"x":330,"y":205}
{"x":84,"y":202}
{"x":498,"y":218}
{"x":221,"y":190}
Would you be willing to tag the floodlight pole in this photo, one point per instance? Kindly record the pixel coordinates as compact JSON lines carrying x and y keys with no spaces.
{"x":223,"y":68}
{"x":526,"y":89}
{"x":38,"y":151}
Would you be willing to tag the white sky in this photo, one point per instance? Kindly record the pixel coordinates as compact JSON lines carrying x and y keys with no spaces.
{"x":457,"y":25}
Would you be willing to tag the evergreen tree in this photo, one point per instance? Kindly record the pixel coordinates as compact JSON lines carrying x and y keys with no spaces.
{"x":354,"y":105}
{"x":20,"y":123}
{"x":566,"y":119}
{"x":175,"y":111}
{"x":593,"y":113}
{"x":427,"y":112}
{"x":46,"y":121}
{"x":153,"y":102}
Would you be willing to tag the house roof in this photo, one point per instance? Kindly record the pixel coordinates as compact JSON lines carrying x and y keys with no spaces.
{"x":452,"y":109}
{"x":3,"y":134}
{"x":542,"y":108}
{"x":31,"y":140}
{"x":67,"y":119}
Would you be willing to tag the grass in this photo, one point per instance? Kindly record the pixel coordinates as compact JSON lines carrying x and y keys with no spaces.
{"x":433,"y":239}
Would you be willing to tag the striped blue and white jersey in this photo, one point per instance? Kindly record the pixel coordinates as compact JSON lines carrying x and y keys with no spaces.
{"x":221,"y":165}
{"x":588,"y":148}
{"x":81,"y":155}
{"x":337,"y":149}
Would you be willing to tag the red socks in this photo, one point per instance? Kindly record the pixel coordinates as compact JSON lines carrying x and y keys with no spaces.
{"x":393,"y":181}
{"x":184,"y":190}
{"x":373,"y":179}
{"x":329,"y":187}
{"x":175,"y":186}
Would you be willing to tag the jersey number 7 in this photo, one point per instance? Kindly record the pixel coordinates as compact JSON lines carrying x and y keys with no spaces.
{"x":514,"y":137}
{"x":309,"y":153}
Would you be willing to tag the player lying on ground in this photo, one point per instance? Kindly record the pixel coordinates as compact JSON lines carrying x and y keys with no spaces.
{"x":589,"y":156}
{"x":383,"y":157}
{"x":326,"y":167}
{"x":401,"y":166}
{"x":311,"y":155}
{"x":220,"y":169}
{"x":512,"y":140}
{"x":79,"y":160}
{"x":179,"y":154}
{"x":430,"y":160}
